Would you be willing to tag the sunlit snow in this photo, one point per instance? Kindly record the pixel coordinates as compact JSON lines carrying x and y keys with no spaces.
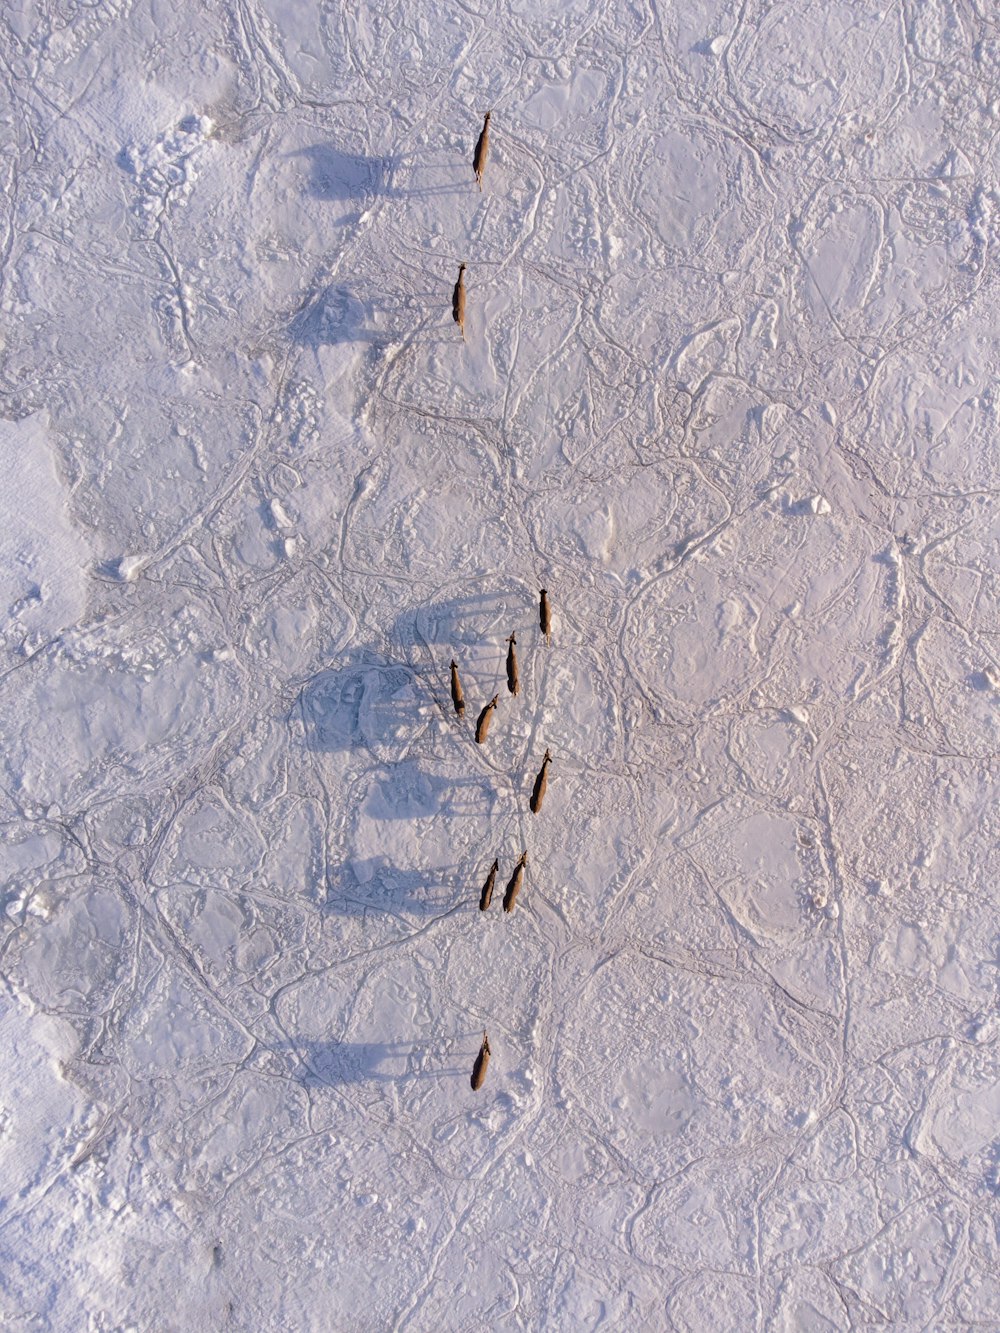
{"x":730,"y":392}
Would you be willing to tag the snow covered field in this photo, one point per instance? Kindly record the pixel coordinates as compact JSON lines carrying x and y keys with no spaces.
{"x":730,"y":391}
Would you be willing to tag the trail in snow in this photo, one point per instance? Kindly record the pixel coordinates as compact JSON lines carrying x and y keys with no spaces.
{"x":727,"y":392}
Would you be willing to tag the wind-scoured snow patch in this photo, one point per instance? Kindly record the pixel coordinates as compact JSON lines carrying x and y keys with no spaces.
{"x":166,"y":169}
{"x":127,"y":568}
{"x":810,"y":504}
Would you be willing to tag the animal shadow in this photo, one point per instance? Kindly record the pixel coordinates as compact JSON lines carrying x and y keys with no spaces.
{"x":469,"y":622}
{"x":338,"y":176}
{"x":365,"y":701}
{"x":331,"y":316}
{"x":342,"y":1062}
{"x":472,"y":628}
{"x":982,"y":681}
{"x":406,"y":791}
{"x":368,"y":700}
{"x":333,"y":313}
{"x":338,"y":1063}
{"x":374,"y":886}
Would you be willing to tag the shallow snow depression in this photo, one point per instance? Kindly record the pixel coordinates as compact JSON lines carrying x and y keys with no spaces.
{"x":728,"y":390}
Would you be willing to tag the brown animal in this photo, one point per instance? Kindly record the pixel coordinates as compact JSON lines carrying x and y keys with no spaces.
{"x":482,"y":1064}
{"x":541,"y":782}
{"x":545,"y":615}
{"x":513,"y":679}
{"x":457,"y":697}
{"x":458,"y":300}
{"x":482,"y":148}
{"x":485,"y":718}
{"x":514,"y":886}
{"x":486,"y":897}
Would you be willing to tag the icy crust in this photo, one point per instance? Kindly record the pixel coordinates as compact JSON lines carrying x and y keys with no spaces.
{"x":728,"y":390}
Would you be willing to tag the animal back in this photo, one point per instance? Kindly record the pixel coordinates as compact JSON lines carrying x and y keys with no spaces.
{"x":514,"y":887}
{"x":486,"y":897}
{"x":513,"y":675}
{"x":538,"y":792}
{"x":485,"y":718}
{"x":458,"y":303}
{"x":457,"y":697}
{"x":481,"y":1065}
{"x":482,"y":149}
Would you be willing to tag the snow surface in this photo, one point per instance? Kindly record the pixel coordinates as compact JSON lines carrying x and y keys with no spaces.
{"x":730,"y":392}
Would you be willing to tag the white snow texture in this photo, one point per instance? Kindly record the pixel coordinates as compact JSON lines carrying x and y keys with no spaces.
{"x":730,"y":391}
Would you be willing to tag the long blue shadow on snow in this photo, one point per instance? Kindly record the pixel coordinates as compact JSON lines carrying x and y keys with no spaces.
{"x":335,"y":1063}
{"x":373,"y":886}
{"x":335,"y":312}
{"x":365,"y":698}
{"x":363,"y":701}
{"x":340,"y":177}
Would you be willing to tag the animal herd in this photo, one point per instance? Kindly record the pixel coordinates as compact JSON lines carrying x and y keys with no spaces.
{"x":489,"y":710}
{"x":482,"y":731}
{"x":478,"y":166}
{"x":516,"y":881}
